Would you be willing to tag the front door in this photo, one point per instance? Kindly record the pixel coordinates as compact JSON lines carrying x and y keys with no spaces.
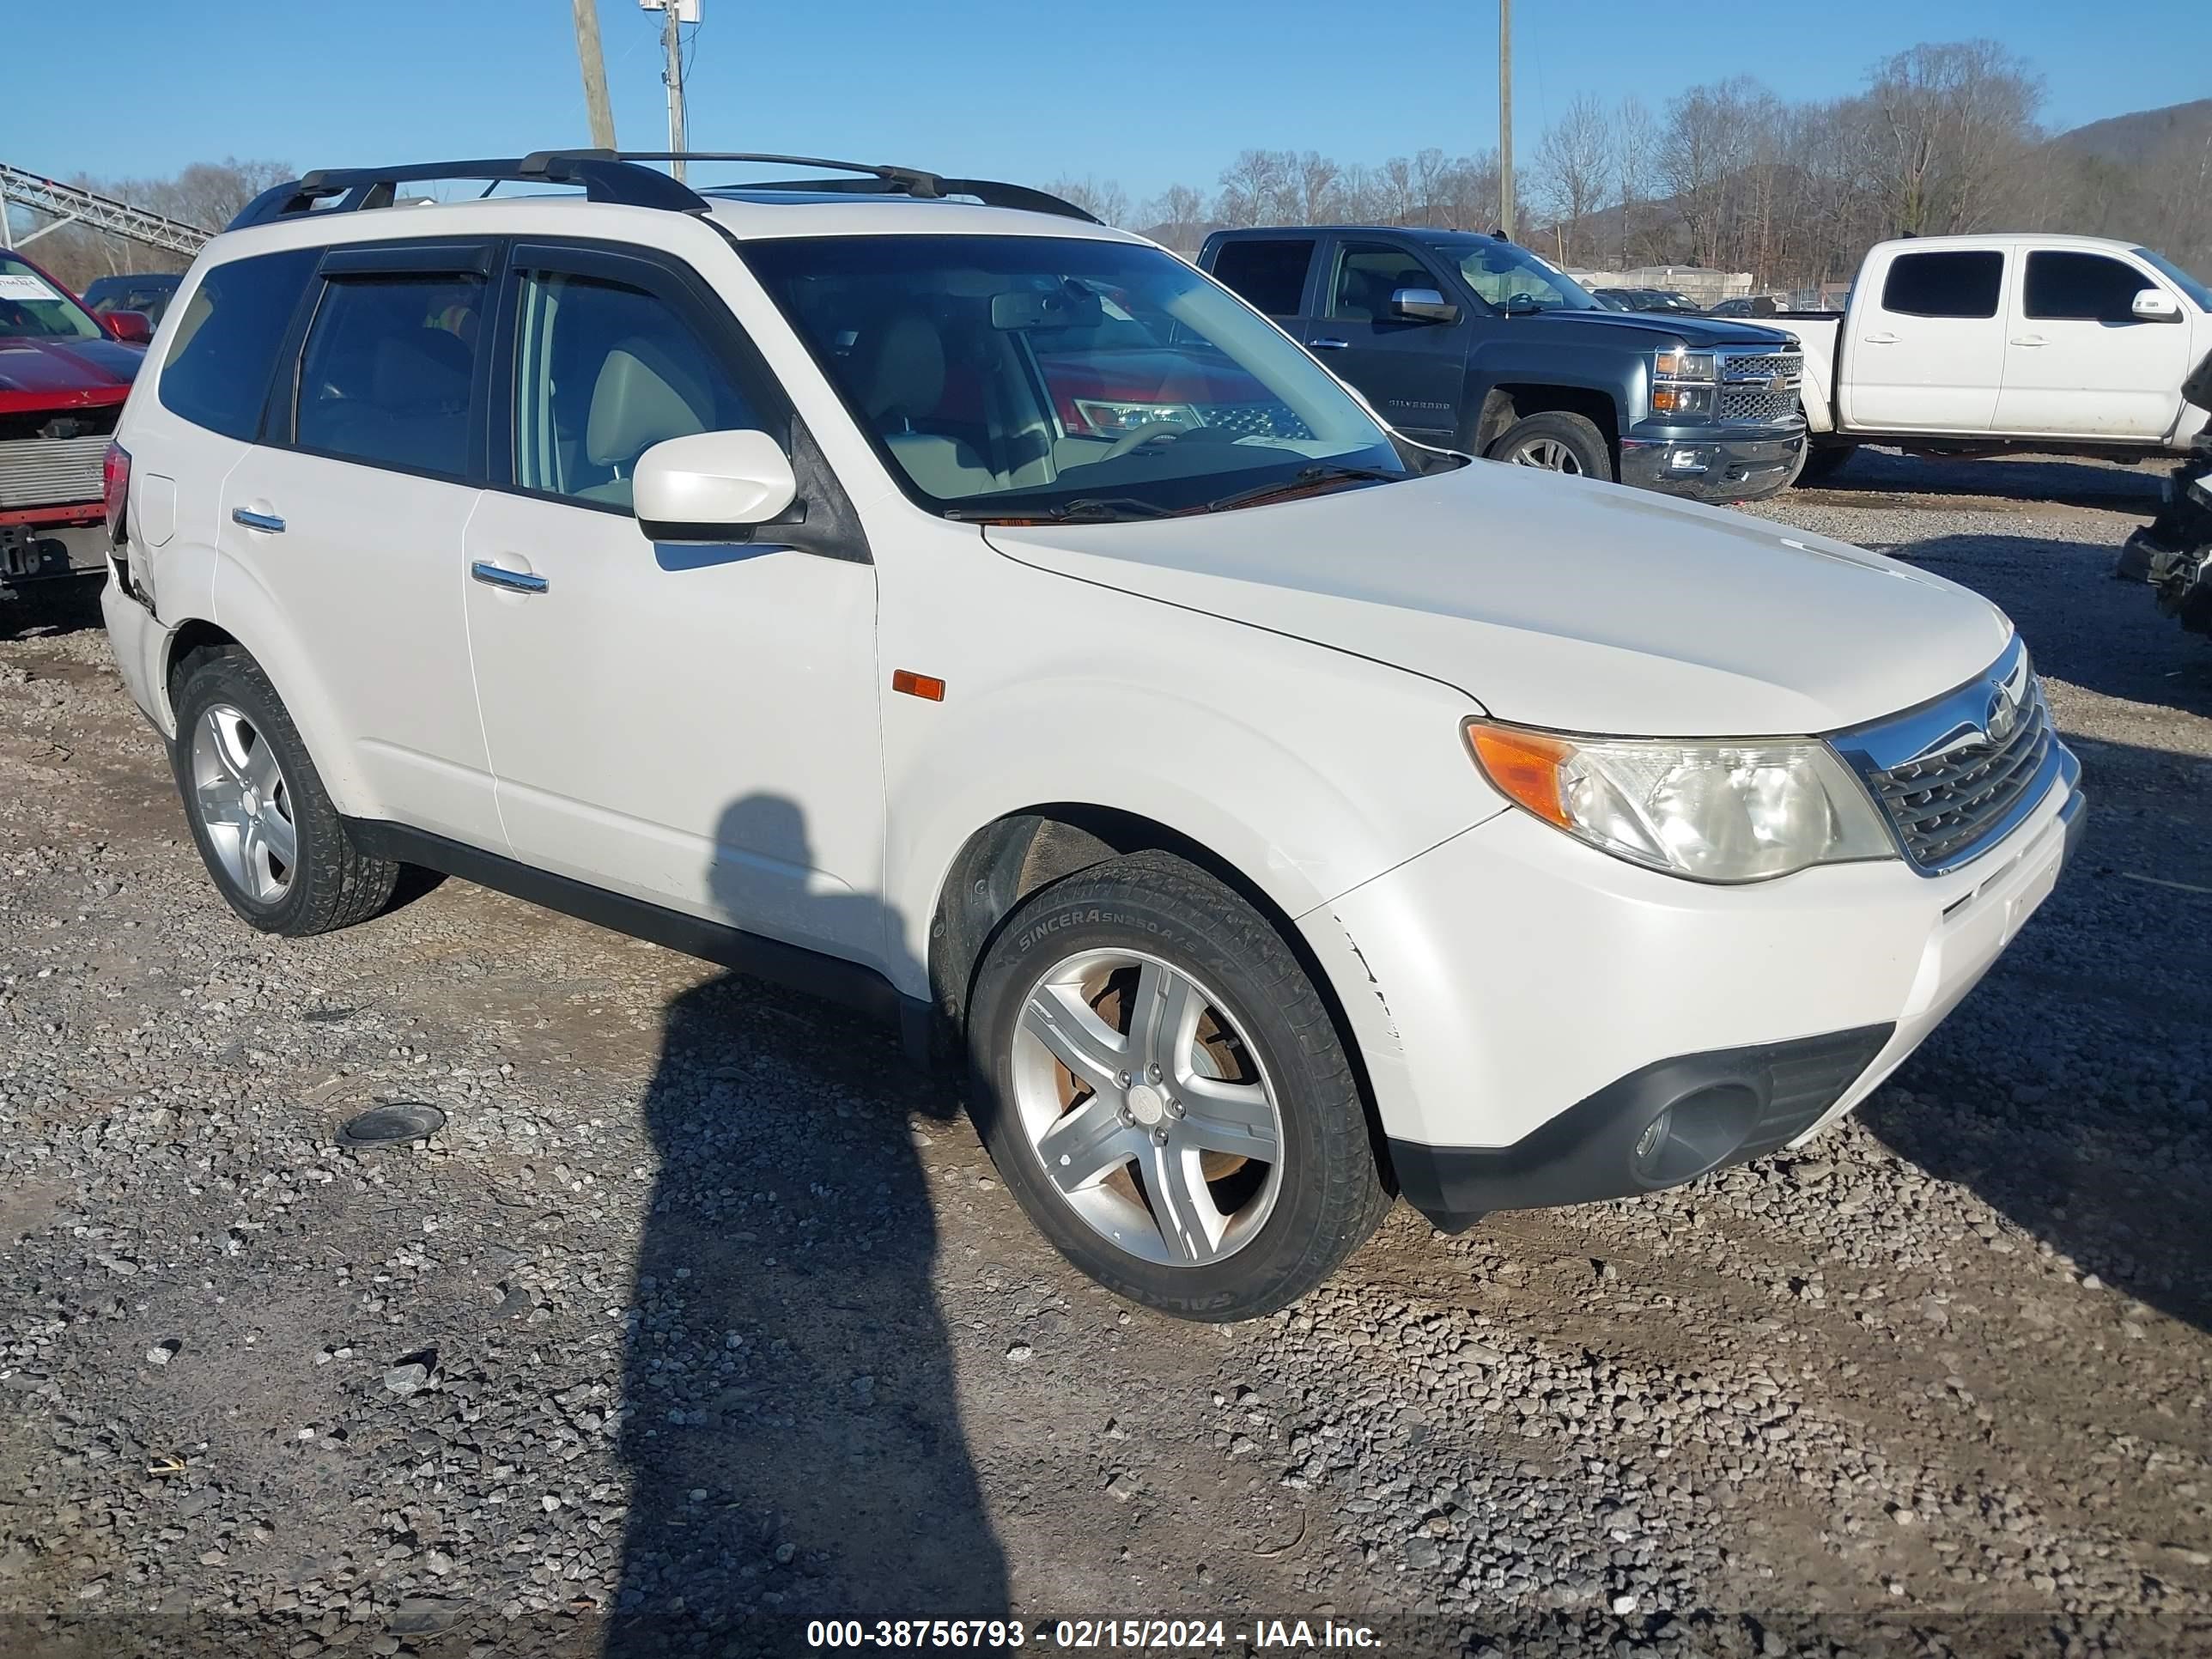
{"x":691,"y":725}
{"x":351,"y":513}
{"x":1411,"y":371}
{"x":1926,"y":353}
{"x":2079,"y":362}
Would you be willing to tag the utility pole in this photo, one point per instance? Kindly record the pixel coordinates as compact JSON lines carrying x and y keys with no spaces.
{"x":671,"y":45}
{"x":1505,"y":118}
{"x":595,"y":74}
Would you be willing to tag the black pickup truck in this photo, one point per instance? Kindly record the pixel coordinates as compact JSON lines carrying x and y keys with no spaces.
{"x":1470,"y":341}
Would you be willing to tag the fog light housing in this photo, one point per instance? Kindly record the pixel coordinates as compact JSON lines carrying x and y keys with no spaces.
{"x":1698,"y":1133}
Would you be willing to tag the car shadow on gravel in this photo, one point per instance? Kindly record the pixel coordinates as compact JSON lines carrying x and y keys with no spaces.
{"x":2072,"y":1091}
{"x":49,"y":607}
{"x":794,"y":1447}
{"x":2081,"y":625}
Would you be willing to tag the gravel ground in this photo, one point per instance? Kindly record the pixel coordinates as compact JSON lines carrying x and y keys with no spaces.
{"x":703,"y":1315}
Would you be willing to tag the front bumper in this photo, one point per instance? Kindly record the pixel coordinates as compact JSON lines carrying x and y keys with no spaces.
{"x":1709,"y":465}
{"x":1528,"y":1008}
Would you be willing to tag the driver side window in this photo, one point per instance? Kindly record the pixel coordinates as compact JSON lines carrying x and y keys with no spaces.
{"x":603,"y":372}
{"x":1367,"y":274}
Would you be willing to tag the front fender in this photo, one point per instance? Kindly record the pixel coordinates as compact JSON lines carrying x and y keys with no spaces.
{"x":1377,"y":775}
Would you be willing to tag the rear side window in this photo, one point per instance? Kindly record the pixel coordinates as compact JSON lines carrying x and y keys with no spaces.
{"x":2088,"y":288}
{"x":1952,"y":284}
{"x":1269,"y":272}
{"x":216,"y":374}
{"x":388,"y":370}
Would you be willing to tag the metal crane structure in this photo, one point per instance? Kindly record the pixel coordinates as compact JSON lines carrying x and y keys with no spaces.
{"x":68,"y":204}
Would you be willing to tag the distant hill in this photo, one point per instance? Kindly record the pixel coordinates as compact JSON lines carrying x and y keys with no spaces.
{"x":2128,"y":139}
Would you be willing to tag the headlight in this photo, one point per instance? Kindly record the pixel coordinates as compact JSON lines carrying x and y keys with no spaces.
{"x":1682,"y":382}
{"x":1710,"y":811}
{"x":1679,"y":363}
{"x":1110,"y":420}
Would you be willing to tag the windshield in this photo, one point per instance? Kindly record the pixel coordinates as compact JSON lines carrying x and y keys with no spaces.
{"x":1513,"y":279}
{"x":2200,"y":295}
{"x":1046,"y":376}
{"x":31,"y":307}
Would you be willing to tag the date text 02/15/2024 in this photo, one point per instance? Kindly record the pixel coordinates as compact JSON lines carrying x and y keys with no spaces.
{"x":1091,"y":1635}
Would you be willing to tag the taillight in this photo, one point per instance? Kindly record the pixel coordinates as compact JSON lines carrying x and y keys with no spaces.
{"x":115,"y":489}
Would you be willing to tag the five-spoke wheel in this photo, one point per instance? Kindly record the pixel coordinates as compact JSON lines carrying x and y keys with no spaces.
{"x":239,"y":792}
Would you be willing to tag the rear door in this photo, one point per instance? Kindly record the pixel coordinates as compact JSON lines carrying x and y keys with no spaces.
{"x":1271,"y":272}
{"x":351,"y":512}
{"x":2078,"y":361}
{"x":1925,"y":351}
{"x":1411,"y":371}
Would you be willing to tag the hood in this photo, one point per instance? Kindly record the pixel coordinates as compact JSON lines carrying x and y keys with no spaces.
{"x":39,"y":374}
{"x":1659,"y":328}
{"x":1559,"y":602}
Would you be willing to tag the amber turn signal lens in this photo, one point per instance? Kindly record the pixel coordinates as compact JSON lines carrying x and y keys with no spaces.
{"x":1525,"y":766}
{"x":927,"y":687}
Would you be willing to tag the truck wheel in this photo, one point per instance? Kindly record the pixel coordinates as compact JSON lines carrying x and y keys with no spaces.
{"x":265,"y":827}
{"x":1166,"y":1095}
{"x":1557,"y":442}
{"x":1823,"y":462}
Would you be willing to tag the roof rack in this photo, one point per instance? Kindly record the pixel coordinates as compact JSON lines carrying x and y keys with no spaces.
{"x":608,"y":175}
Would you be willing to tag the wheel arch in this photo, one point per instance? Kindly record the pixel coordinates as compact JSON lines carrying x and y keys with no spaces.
{"x":1513,"y":402}
{"x":1014,"y":855}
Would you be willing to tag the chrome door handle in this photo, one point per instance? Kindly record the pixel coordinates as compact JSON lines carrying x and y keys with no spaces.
{"x":1328,"y":345}
{"x":267,"y":523}
{"x":515,"y":581}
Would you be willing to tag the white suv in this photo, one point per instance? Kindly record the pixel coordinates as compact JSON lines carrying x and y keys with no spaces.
{"x":980,"y":613}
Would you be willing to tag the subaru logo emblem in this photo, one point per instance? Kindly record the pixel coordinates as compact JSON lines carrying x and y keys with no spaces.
{"x":2005,"y":702}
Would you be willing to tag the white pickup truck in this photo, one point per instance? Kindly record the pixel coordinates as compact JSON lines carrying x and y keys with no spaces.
{"x":1977,"y":345}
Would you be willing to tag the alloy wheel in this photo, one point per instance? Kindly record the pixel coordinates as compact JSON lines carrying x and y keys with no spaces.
{"x":1549,"y":453}
{"x":1151,"y":1114}
{"x":244,"y":804}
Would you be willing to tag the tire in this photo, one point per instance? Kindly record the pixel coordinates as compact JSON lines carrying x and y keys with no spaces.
{"x":244,"y":777}
{"x":1822,"y":463}
{"x":1246,"y":1233}
{"x":1557,"y":442}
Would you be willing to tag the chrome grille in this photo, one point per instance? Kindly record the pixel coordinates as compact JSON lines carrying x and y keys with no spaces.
{"x":1747,"y":367}
{"x":1756,"y":402}
{"x":1254,"y":420}
{"x":51,"y":472}
{"x":1957,"y":775}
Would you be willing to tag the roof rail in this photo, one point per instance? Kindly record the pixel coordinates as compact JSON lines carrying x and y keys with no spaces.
{"x":873,"y":180}
{"x":604,"y":177}
{"x":609,"y":175}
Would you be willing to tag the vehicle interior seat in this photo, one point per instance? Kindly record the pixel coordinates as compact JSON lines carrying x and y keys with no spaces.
{"x":641,"y":396}
{"x":901,"y":377}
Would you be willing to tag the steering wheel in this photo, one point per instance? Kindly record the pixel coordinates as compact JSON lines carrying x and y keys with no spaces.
{"x":1137,"y":436}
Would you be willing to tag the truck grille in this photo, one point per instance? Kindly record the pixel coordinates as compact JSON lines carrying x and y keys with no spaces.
{"x":1955,"y":776}
{"x":1254,"y":420}
{"x":51,"y":472}
{"x":1756,"y":402}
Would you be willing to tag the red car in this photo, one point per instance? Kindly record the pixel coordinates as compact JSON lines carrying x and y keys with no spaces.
{"x":63,"y":376}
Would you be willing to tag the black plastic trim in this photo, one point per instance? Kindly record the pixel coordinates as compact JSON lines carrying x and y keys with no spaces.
{"x":1588,"y":1152}
{"x":832,"y":978}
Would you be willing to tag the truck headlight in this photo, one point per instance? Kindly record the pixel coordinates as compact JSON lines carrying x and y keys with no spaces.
{"x":1106,"y":418}
{"x":1722,"y":811}
{"x":1682,"y":382}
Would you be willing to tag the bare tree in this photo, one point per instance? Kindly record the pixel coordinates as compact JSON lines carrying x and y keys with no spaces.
{"x":1177,"y":217}
{"x":1107,"y":202}
{"x":1958,"y":117}
{"x":207,"y":193}
{"x":1636,"y":166}
{"x":1575,"y":168}
{"x":1315,"y":182}
{"x":1254,"y":187}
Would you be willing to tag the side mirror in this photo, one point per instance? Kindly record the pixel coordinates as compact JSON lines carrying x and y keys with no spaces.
{"x":133,"y":327}
{"x":2155,"y":305}
{"x":1423,"y":305}
{"x":711,"y":487}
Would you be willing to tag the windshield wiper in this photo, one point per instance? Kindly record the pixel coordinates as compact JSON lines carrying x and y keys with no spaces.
{"x":1306,"y":478}
{"x":1083,"y":508}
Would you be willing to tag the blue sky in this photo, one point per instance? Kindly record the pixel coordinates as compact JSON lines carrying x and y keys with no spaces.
{"x":1147,"y":94}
